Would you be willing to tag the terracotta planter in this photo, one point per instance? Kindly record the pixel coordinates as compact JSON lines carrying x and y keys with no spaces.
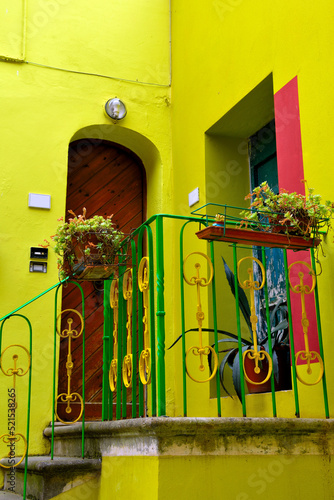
{"x":90,"y":268}
{"x":284,"y":371}
{"x":249,"y":366}
{"x":257,"y":238}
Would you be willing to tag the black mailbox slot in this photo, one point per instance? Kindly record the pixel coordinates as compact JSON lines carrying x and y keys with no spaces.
{"x":38,"y":253}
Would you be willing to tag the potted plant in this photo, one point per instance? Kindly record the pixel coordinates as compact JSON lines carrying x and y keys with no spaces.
{"x":279,"y":342}
{"x":290,"y":213}
{"x":283,"y":220}
{"x":86,"y":247}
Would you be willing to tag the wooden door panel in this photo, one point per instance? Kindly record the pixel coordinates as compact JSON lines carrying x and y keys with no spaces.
{"x":106,"y":179}
{"x":110,"y":176}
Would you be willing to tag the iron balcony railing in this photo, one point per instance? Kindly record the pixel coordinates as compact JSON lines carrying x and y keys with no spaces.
{"x":167,"y":292}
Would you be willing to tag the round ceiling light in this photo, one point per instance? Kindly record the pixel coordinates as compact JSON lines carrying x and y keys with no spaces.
{"x":115,"y":108}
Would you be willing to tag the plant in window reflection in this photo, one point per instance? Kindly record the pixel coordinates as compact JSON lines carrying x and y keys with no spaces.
{"x":292,"y":213}
{"x":96,"y":238}
{"x":279,"y":341}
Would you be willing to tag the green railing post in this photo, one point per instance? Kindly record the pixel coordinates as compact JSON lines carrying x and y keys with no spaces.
{"x":183,"y":326}
{"x":107,"y":329}
{"x":215,"y":326}
{"x":134,"y":328}
{"x":292,"y":343}
{"x":270,"y":347}
{"x":321,"y":347}
{"x":25,"y":476}
{"x":160,"y":318}
{"x":236,"y":285}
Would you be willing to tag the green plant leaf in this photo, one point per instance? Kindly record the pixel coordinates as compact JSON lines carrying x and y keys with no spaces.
{"x":222,"y":365}
{"x":236,"y":373}
{"x":221,"y":332}
{"x":243,"y":301}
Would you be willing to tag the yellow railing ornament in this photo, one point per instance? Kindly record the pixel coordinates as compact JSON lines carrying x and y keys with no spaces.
{"x":127,"y":361}
{"x":14,"y":371}
{"x":74,"y":396}
{"x":255,"y":354}
{"x":10,"y":440}
{"x":306,"y":354}
{"x":200,"y":350}
{"x":145,"y":355}
{"x":114,"y":305}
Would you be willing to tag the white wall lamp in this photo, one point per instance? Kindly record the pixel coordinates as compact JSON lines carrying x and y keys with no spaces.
{"x":115,"y":108}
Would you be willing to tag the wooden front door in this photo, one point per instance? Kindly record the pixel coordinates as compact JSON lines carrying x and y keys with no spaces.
{"x":106,"y":179}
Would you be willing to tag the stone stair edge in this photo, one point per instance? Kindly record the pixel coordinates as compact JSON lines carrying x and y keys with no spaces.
{"x":192,"y":425}
{"x":44,"y":464}
{"x":7,"y":495}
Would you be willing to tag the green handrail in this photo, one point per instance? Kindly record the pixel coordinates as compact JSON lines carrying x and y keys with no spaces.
{"x":160,"y":319}
{"x":25,"y":477}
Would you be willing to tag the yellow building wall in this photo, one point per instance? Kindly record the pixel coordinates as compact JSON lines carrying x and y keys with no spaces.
{"x":220,"y":59}
{"x":231,"y":477}
{"x":77,"y":55}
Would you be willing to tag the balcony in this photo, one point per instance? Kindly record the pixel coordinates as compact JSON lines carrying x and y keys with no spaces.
{"x":185,"y":337}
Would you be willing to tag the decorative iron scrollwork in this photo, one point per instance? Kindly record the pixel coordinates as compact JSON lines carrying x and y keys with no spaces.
{"x":114,"y":305}
{"x":306,"y":354}
{"x":14,"y":371}
{"x":256,"y":354}
{"x":200,"y":350}
{"x":10,"y":440}
{"x":70,"y":397}
{"x":127,"y":361}
{"x":145,"y":355}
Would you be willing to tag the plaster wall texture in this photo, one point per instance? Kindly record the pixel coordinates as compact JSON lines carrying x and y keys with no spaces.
{"x":75,"y":56}
{"x":230,"y":49}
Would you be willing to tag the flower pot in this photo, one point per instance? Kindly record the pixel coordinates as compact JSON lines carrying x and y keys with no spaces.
{"x":249,"y":366}
{"x":90,"y":267}
{"x":284,"y":372}
{"x":257,"y":238}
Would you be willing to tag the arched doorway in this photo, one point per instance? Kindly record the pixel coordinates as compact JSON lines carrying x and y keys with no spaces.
{"x":106,"y":179}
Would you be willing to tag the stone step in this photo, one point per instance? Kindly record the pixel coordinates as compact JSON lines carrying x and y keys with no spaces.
{"x":7,"y":495}
{"x":48,"y":478}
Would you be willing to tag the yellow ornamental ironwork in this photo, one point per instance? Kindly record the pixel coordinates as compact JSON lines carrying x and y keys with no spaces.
{"x":306,"y":354}
{"x":200,"y":350}
{"x":256,"y":354}
{"x":74,"y":396}
{"x":14,"y":371}
{"x":145,"y":355}
{"x":127,"y":361}
{"x":114,"y":305}
{"x":10,"y":441}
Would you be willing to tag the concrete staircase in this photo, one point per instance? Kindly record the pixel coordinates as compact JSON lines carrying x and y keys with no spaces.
{"x":48,"y":478}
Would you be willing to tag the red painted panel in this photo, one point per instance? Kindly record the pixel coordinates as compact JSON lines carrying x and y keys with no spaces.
{"x":290,"y":173}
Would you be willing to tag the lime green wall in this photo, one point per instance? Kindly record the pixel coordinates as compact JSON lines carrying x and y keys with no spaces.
{"x":233,"y":477}
{"x":227,"y":64}
{"x":76,"y":55}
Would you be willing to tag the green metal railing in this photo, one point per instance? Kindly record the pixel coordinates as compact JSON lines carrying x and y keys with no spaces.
{"x":166,"y":322}
{"x":159,"y":316}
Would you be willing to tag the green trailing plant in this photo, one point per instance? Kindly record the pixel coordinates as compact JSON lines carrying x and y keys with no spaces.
{"x":96,"y":238}
{"x":292,"y":213}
